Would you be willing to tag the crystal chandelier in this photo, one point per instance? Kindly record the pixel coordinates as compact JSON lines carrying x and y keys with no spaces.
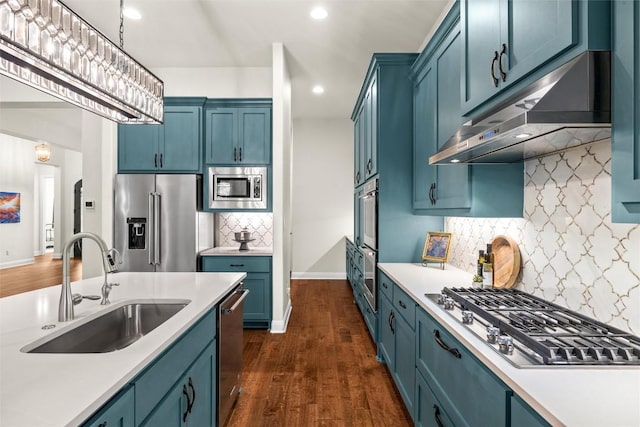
{"x":44,"y":44}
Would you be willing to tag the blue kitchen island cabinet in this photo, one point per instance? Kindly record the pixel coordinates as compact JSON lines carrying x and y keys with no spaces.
{"x":238,"y":132}
{"x":396,"y":339}
{"x":178,"y":388}
{"x":120,"y":411}
{"x":453,"y":190}
{"x":257,"y":305}
{"x":506,"y":43}
{"x":192,"y":400}
{"x":429,"y":411}
{"x":625,"y":140}
{"x":468,"y":392}
{"x":172,"y":147}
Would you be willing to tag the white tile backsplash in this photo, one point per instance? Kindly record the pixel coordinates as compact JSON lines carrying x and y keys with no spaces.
{"x":571,"y":252}
{"x":259,"y":224}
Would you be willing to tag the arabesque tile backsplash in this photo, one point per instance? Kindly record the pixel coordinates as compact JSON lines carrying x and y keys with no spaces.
{"x":571,"y":252}
{"x":259,"y":224}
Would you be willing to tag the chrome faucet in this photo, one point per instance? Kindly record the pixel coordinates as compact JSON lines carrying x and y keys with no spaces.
{"x":65,"y":309}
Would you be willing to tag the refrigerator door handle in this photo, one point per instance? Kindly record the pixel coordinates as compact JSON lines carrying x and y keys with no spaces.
{"x":156,"y":229}
{"x":151,"y":229}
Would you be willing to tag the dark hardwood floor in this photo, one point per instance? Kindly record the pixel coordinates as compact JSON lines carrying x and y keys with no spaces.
{"x":321,"y":372}
{"x":45,"y":272}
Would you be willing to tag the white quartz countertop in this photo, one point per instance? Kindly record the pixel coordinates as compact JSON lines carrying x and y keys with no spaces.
{"x":39,"y":390}
{"x":564,"y":396}
{"x":233,"y":250}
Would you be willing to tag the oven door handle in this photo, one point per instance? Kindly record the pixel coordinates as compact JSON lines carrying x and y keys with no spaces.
{"x":454,"y":351}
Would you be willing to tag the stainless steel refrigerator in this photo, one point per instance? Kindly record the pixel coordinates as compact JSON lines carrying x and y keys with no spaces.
{"x":156,"y":222}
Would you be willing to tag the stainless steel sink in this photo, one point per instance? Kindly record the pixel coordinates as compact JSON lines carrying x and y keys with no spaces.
{"x":113,"y":330}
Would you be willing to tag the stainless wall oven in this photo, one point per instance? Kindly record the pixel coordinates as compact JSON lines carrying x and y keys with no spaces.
{"x":237,"y":187}
{"x":369,"y":212}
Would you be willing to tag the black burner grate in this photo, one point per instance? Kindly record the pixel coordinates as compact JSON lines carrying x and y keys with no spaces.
{"x":558,"y":335}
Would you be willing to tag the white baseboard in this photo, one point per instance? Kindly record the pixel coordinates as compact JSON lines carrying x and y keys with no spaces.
{"x":312,"y":275}
{"x":57,"y":255}
{"x":17,"y":263}
{"x":37,"y":253}
{"x":280,"y":326}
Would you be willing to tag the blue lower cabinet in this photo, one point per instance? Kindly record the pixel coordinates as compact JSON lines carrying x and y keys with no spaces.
{"x":428,"y":410}
{"x":523,"y":416}
{"x":396,"y":339}
{"x":119,"y":411}
{"x":470,"y":394}
{"x":257,"y":305}
{"x":190,"y":401}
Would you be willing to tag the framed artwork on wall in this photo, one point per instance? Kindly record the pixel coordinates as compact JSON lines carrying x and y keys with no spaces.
{"x":9,"y":207}
{"x":436,"y":247}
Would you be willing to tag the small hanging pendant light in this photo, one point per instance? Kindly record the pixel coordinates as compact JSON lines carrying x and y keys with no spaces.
{"x":43,"y":152}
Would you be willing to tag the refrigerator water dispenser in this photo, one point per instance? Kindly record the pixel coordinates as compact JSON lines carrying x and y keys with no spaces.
{"x":137,"y":232}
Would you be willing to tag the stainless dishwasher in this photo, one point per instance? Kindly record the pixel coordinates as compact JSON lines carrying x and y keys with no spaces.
{"x":230,"y":351}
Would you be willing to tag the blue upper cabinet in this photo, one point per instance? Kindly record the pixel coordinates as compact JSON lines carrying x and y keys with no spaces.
{"x":383,"y":149}
{"x":507,"y":41}
{"x":174,"y":146}
{"x":238,"y":132}
{"x":625,"y":143}
{"x":454,"y":190}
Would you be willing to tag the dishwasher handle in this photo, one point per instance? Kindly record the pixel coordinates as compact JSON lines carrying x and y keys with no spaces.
{"x":243,"y":294}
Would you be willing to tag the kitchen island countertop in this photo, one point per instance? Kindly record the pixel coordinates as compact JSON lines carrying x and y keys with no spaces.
{"x":65,"y":389}
{"x":564,"y":396}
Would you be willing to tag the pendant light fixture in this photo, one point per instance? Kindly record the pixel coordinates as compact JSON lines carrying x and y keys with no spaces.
{"x":45,"y":45}
{"x":43,"y":152}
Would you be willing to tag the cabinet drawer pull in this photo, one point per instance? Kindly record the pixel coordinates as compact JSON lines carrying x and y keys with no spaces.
{"x":369,"y":166}
{"x":392,"y":317}
{"x":236,"y":265}
{"x":436,"y":415}
{"x":403,"y":305}
{"x":503,"y":51}
{"x":235,"y":156}
{"x":240,"y":154}
{"x":155,"y":160}
{"x":161,"y":157}
{"x":186,"y":412}
{"x":492,"y":71}
{"x":384,"y":285}
{"x":453,"y":351}
{"x":104,"y":424}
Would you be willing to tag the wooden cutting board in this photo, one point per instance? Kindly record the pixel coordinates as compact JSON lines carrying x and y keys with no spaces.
{"x":506,"y":261}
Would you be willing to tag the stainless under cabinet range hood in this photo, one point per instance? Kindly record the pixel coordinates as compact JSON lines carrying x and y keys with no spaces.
{"x":566,"y":108}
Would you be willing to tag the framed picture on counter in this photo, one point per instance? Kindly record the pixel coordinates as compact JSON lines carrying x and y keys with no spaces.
{"x":436,"y":247}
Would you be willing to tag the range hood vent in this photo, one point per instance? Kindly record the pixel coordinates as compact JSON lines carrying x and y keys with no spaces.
{"x":568,"y":107}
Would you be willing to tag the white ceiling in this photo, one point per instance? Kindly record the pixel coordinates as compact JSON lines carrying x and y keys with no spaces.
{"x":334,"y":52}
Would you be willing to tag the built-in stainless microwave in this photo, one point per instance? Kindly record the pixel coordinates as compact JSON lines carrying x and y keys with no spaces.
{"x":237,"y":187}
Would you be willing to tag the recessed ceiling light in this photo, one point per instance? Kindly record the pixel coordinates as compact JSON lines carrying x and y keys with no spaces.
{"x":523,"y":135}
{"x":131,"y":13}
{"x":318,"y":90}
{"x":319,"y":13}
{"x":455,"y":161}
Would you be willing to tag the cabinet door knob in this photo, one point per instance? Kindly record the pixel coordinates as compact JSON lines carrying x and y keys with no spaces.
{"x":503,"y":51}
{"x":492,"y":71}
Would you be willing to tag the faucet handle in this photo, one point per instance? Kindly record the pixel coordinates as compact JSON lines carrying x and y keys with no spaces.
{"x":106,"y":290}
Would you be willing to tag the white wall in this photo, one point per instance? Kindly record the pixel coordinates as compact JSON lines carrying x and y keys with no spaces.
{"x":226,"y":82}
{"x":17,"y":171}
{"x":322,"y":196}
{"x":282,"y":164}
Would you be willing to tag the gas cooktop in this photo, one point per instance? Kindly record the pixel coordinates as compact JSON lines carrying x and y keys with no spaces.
{"x":530,"y":331}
